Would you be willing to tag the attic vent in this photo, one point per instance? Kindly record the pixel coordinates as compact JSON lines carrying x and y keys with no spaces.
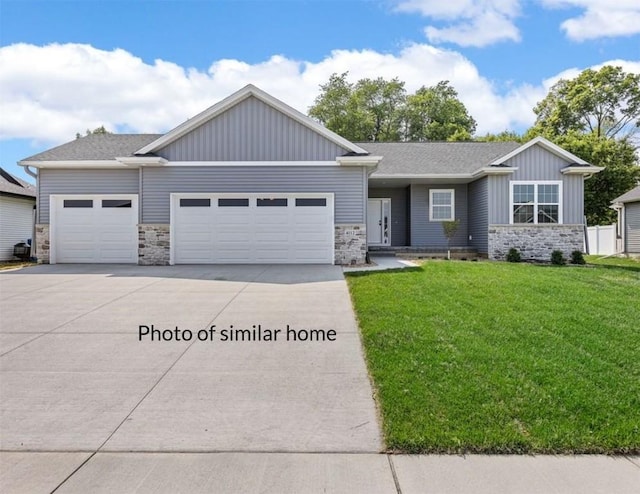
{"x":9,"y":178}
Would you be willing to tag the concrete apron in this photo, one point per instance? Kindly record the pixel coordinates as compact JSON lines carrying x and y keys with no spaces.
{"x":75,"y":376}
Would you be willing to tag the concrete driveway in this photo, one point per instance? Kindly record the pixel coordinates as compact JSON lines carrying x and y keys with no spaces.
{"x":75,"y":376}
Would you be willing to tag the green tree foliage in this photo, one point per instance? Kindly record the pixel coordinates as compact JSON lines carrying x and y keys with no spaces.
{"x":99,"y":130}
{"x":436,"y":114}
{"x":380,"y":110}
{"x":604,"y":102}
{"x":595,"y":116}
{"x":504,"y":136}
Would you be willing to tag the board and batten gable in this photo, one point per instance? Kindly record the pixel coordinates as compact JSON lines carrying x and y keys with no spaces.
{"x":348,"y":184}
{"x":632,"y":228}
{"x":252,"y":130}
{"x":82,"y":181}
{"x":537,"y":164}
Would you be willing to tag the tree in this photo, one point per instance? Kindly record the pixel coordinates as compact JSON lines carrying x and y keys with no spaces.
{"x":449,"y":229}
{"x":595,"y":116}
{"x":436,"y":114}
{"x":621,"y":172}
{"x":335,"y":108}
{"x":99,"y":130}
{"x":504,"y":136}
{"x":379,"y":104}
{"x":604,"y":102}
{"x":380,"y":110}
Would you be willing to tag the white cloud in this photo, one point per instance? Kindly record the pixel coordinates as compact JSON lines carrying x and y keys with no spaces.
{"x":600,"y":19}
{"x":475,"y":22}
{"x":48,"y":93}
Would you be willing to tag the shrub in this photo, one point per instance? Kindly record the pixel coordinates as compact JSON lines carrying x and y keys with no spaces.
{"x":514,"y":255}
{"x":557,"y":258}
{"x":577,"y":257}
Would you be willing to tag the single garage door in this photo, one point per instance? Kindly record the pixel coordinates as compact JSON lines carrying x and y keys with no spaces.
{"x":252,"y":228}
{"x":94,"y":229}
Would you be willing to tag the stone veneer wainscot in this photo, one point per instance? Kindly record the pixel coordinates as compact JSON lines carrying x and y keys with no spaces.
{"x":154,"y":244}
{"x":43,"y":245}
{"x":535,"y":242}
{"x":350,"y":244}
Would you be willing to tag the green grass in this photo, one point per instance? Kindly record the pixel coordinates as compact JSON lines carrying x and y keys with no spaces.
{"x":504,"y":358}
{"x":618,"y":262}
{"x":15,"y":264}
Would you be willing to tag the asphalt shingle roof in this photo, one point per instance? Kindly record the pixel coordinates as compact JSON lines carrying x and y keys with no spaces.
{"x":96,"y":147}
{"x":400,"y":158}
{"x":416,"y":158}
{"x":8,"y":185}
{"x":632,"y":196}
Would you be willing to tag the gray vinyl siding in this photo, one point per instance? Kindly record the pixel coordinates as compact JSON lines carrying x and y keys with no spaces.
{"x":347,"y":183}
{"x":82,"y":182}
{"x":632,"y":227}
{"x":425,"y":233}
{"x":537,"y":164}
{"x":399,"y":212}
{"x":252,"y":131}
{"x":478,"y":193}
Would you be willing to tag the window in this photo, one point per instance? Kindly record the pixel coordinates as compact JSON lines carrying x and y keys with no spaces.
{"x":233,"y":203}
{"x":536,"y":202}
{"x":441,"y":205}
{"x":320,"y":201}
{"x":116,"y":203}
{"x":195,"y":203}
{"x":271,"y":202}
{"x":78,"y":203}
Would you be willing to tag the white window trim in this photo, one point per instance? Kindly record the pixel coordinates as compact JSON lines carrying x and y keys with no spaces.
{"x":453,"y":204}
{"x":535,"y":183}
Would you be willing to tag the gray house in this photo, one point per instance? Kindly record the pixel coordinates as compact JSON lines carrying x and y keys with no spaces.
{"x":17,"y":204}
{"x":251,"y":180}
{"x":628,"y":207}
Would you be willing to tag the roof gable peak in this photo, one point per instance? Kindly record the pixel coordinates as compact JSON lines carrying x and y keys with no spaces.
{"x":235,"y":99}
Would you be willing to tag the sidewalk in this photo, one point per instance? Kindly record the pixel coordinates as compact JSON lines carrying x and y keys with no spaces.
{"x":303,"y":473}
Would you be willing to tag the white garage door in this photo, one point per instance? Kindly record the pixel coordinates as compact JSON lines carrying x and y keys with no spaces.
{"x":94,"y":229}
{"x":252,"y":228}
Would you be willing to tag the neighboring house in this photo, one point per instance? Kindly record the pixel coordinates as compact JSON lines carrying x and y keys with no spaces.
{"x":628,"y":207}
{"x":251,"y":180}
{"x":17,"y":204}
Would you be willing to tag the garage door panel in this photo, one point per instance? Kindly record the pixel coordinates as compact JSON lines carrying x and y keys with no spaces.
{"x":258,"y":231}
{"x":84,"y":231}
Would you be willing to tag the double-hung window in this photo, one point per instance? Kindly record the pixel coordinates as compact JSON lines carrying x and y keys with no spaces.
{"x":442,"y":205}
{"x":536,"y":202}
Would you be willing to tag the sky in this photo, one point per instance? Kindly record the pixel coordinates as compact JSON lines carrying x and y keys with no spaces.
{"x":148,"y":65}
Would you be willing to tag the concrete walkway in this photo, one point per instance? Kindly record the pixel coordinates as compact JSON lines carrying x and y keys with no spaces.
{"x":89,"y":405}
{"x":301,"y":473}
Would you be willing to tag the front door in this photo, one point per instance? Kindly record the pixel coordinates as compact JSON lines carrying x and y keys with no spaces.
{"x":379,"y":222}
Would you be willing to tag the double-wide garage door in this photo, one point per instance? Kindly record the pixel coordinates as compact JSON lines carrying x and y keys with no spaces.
{"x":252,"y":228}
{"x":94,"y":229}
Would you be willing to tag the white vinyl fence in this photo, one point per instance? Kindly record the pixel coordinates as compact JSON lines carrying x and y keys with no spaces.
{"x":602,"y":240}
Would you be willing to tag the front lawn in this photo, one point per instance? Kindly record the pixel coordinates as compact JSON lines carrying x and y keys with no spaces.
{"x":504,"y":358}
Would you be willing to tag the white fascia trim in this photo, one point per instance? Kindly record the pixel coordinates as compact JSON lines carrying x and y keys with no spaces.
{"x":250,"y":163}
{"x":581,"y":170}
{"x":423,"y":175}
{"x":136,"y":161}
{"x":358,"y":160}
{"x":548,"y":145}
{"x":73,"y":164}
{"x":495,"y":170}
{"x":235,"y":98}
